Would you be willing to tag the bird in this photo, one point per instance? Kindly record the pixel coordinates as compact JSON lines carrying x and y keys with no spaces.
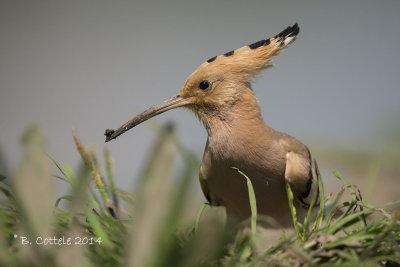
{"x":219,"y":93}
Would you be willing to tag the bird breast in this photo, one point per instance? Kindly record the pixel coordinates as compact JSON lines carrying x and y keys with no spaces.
{"x":261,"y":161}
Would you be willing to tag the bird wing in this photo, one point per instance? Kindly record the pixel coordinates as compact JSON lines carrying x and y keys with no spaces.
{"x":302,"y":174}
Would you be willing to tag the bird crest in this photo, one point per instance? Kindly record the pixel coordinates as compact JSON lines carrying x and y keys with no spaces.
{"x":248,"y":60}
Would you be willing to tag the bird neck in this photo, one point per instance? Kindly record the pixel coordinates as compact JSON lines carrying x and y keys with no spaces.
{"x":233,"y":120}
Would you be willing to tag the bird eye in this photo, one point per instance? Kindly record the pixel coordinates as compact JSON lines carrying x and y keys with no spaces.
{"x":203,"y":85}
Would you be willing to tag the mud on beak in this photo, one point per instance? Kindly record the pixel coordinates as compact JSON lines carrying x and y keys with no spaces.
{"x":170,"y":103}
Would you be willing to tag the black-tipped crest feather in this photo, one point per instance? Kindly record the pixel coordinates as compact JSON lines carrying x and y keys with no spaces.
{"x":291,"y":31}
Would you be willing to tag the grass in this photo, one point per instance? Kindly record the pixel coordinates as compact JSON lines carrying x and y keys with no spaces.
{"x":108,"y":226}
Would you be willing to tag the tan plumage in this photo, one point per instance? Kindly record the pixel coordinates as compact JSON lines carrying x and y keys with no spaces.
{"x":220,"y":94}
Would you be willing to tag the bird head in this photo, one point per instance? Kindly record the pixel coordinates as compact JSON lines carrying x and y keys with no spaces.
{"x":220,"y":83}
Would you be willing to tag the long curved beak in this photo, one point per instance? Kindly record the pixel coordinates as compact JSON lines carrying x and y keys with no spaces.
{"x":170,"y":103}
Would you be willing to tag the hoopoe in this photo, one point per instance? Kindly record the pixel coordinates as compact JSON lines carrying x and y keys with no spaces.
{"x":219,"y":93}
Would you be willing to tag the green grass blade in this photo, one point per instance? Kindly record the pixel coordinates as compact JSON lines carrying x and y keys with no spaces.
{"x":307,"y":219}
{"x":333,"y":207}
{"x":347,"y":221}
{"x":373,"y":208}
{"x":69,"y":198}
{"x":347,"y":185}
{"x":253,"y":204}
{"x":196,"y":225}
{"x":98,"y":230}
{"x":345,"y":240}
{"x":96,"y":176}
{"x":68,"y":172}
{"x":61,"y":178}
{"x":61,"y":169}
{"x":8,"y":193}
{"x":320,"y":215}
{"x":355,"y":198}
{"x":80,"y":189}
{"x":111,"y":181}
{"x":298,"y":227}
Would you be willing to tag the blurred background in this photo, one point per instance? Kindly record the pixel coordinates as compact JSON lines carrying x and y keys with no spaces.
{"x":92,"y":65}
